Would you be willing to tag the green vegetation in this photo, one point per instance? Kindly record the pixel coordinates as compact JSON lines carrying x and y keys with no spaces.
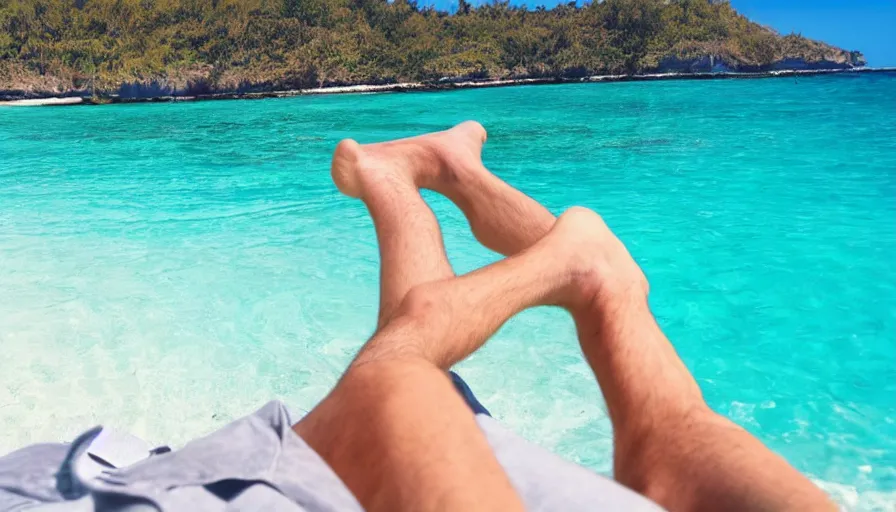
{"x":205,"y":45}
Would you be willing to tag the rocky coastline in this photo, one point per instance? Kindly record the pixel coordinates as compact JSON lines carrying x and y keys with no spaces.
{"x":705,"y":68}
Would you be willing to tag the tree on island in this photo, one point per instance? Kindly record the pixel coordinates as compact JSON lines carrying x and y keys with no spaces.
{"x":284,"y":44}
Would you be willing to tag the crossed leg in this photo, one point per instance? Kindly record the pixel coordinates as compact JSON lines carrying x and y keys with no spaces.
{"x":669,"y":444}
{"x":394,"y":428}
{"x":398,"y":434}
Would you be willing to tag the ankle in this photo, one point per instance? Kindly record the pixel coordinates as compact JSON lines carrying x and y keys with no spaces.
{"x":415,"y":332}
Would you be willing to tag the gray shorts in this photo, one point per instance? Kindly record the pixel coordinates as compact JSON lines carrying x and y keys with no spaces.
{"x":258,"y":463}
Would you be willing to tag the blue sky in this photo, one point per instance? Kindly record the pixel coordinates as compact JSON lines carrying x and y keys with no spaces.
{"x":865,"y":25}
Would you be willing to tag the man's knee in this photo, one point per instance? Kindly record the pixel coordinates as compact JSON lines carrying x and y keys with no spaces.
{"x":421,"y":303}
{"x":413,"y":331}
{"x":424,"y":311}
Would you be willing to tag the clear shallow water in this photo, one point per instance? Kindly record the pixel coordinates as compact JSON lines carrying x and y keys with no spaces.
{"x":166,"y":268}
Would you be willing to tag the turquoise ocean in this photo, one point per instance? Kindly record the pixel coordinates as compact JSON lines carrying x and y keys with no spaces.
{"x":166,"y":268}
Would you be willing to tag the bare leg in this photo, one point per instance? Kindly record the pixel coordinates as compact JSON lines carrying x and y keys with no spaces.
{"x":371,"y":420}
{"x":668,"y":443}
{"x":394,"y":429}
{"x":384,"y":176}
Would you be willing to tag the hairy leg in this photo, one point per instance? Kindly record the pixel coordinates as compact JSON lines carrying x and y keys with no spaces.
{"x":411,"y":249}
{"x":400,"y":422}
{"x":394,"y":428}
{"x":668,"y":443}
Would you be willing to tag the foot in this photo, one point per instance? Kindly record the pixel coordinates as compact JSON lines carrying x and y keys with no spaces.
{"x":598,"y":266}
{"x":426,"y":161}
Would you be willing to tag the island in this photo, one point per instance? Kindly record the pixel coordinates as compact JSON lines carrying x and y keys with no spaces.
{"x":125,"y":50}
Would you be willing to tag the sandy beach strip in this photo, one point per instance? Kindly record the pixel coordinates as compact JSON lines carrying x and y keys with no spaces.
{"x":444,"y":84}
{"x":40,"y":102}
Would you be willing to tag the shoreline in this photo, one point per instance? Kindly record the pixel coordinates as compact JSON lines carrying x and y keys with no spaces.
{"x":435,"y":86}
